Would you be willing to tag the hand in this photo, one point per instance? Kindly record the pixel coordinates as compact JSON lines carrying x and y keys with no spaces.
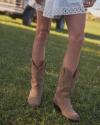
{"x":89,"y":3}
{"x":39,"y":1}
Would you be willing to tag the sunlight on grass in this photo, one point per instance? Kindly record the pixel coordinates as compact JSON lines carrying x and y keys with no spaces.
{"x":96,"y":52}
{"x":91,"y":27}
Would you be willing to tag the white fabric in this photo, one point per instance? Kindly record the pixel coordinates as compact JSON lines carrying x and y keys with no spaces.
{"x":63,"y":7}
{"x":33,"y":4}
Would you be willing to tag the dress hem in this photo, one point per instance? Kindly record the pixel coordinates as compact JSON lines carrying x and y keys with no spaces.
{"x":64,"y":11}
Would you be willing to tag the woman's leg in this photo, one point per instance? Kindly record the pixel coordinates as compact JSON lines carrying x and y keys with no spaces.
{"x":42,"y":31}
{"x":76,"y":24}
{"x":38,"y":60}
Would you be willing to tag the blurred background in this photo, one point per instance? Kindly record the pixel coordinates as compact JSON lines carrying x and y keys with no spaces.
{"x":22,"y":9}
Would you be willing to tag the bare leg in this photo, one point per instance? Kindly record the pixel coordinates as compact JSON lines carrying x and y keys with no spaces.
{"x":76,"y":24}
{"x":42,"y":31}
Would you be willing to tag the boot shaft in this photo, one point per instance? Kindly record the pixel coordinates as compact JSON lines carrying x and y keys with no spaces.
{"x":66,"y":82}
{"x":38,"y":73}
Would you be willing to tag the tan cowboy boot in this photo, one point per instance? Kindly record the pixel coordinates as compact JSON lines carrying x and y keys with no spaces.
{"x":63,"y":92}
{"x":36,"y":91}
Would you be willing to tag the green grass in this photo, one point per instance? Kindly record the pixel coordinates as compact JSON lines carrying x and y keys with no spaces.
{"x":15,"y":63}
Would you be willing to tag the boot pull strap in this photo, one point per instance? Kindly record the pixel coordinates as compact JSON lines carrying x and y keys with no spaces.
{"x":37,"y":66}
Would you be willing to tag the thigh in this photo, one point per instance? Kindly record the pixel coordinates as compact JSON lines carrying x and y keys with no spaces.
{"x":75,"y":23}
{"x":43,"y":23}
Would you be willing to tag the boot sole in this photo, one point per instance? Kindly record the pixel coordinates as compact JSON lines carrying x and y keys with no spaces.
{"x":59,"y":110}
{"x":57,"y":107}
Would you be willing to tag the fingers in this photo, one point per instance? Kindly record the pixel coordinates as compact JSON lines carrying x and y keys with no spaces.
{"x":89,"y":3}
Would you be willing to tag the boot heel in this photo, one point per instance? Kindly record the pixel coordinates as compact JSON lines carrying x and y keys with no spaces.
{"x":56,"y":107}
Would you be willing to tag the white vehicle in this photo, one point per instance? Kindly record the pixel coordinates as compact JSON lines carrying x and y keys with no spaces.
{"x":19,"y":8}
{"x":13,"y":6}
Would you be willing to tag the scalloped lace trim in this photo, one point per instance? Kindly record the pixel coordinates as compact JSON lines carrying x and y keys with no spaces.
{"x":64,"y":11}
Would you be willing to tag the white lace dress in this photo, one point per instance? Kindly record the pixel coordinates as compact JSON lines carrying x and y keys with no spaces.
{"x":37,"y":6}
{"x":63,"y":7}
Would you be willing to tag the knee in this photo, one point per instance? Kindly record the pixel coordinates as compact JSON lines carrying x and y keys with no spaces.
{"x":42,"y":34}
{"x":77,"y":38}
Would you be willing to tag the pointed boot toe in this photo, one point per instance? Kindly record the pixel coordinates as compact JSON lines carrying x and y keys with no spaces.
{"x":74,"y":117}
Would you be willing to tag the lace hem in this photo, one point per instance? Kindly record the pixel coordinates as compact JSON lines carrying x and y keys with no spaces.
{"x":63,"y":11}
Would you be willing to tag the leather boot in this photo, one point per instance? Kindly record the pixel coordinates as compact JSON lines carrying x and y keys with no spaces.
{"x":36,"y":91}
{"x":63,"y":92}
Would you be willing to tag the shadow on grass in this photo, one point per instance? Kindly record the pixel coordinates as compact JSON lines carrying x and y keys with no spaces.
{"x":92,"y":36}
{"x":15,"y":62}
